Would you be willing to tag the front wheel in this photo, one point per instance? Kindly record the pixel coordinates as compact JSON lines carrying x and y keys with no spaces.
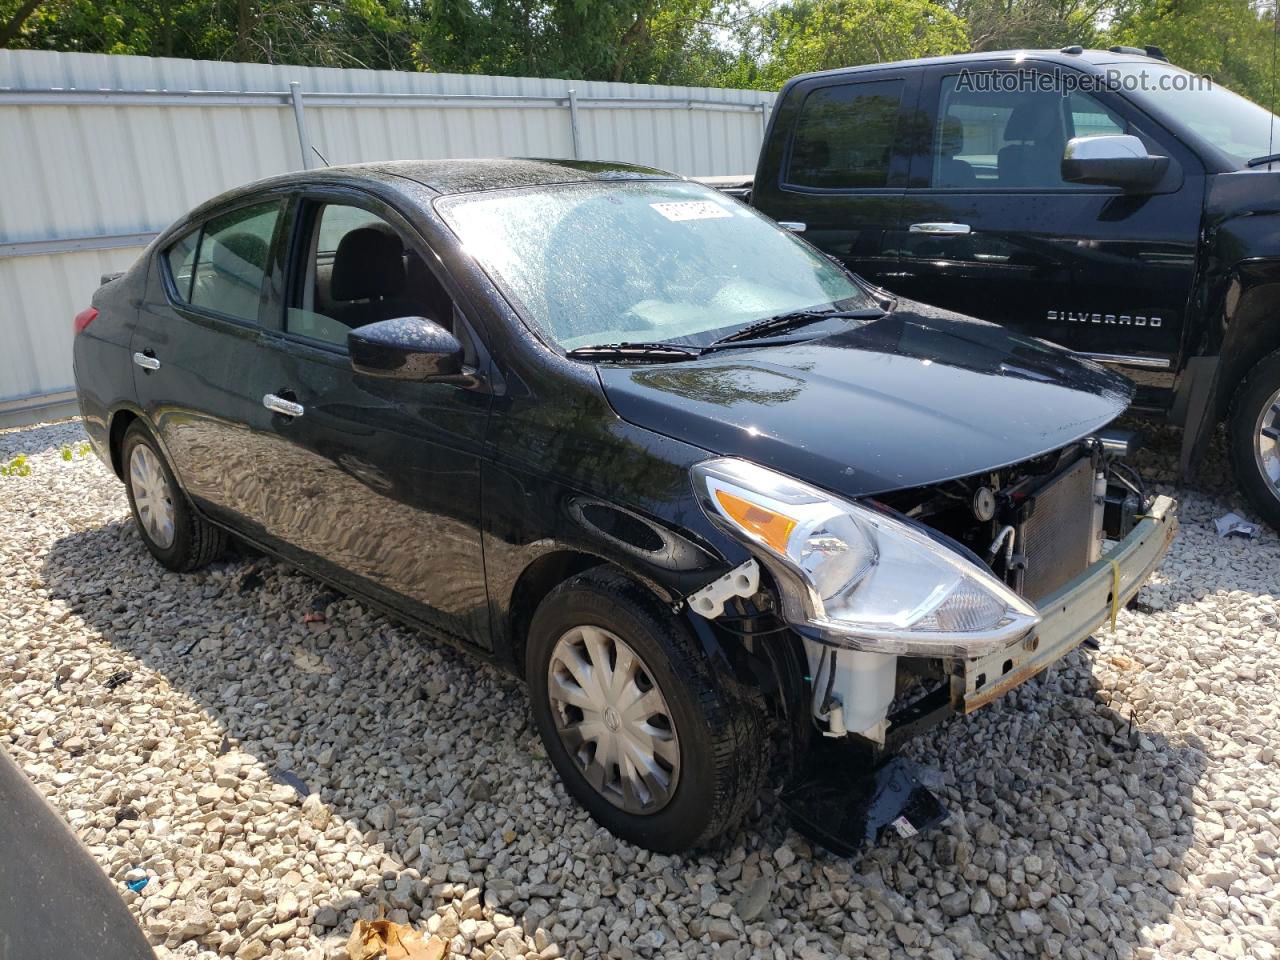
{"x":1254,"y":438}
{"x":175,"y":534}
{"x":659,"y":750}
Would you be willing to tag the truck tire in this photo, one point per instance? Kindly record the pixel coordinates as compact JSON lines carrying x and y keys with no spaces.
{"x":175,"y":534}
{"x":1253,"y":433}
{"x":658,"y":748}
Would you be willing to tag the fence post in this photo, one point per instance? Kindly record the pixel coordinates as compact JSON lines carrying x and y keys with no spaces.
{"x":764,"y":120}
{"x":299,"y":118}
{"x":573,"y":124}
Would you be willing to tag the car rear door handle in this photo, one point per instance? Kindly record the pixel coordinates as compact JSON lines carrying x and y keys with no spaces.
{"x":940,"y":229}
{"x":282,"y":406}
{"x":146,"y":361}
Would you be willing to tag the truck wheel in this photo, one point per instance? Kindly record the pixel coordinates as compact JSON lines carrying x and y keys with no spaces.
{"x":660,"y":750}
{"x":174,"y":533}
{"x":1254,"y":438}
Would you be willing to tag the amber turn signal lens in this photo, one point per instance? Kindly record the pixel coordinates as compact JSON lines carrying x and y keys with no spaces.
{"x":774,"y":528}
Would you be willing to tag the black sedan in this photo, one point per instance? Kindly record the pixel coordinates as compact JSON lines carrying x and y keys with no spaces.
{"x":710,"y":494}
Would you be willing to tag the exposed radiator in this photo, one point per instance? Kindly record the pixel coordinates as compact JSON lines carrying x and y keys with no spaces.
{"x":1058,"y":537}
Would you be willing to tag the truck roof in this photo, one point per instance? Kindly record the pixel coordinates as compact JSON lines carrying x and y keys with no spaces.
{"x":1091,"y":61}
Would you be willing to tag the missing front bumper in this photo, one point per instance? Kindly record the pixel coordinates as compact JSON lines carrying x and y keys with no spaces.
{"x":1071,"y":613}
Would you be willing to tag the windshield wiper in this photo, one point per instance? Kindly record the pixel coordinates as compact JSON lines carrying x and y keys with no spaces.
{"x":634,"y":351}
{"x":1262,"y":161}
{"x":790,"y":321}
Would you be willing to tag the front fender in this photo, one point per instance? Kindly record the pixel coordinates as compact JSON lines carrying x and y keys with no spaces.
{"x":1239,"y":301}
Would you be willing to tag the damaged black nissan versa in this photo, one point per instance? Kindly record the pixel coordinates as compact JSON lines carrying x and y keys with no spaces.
{"x":716,"y":499}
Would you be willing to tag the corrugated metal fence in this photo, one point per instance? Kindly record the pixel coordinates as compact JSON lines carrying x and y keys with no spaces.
{"x":99,"y":153}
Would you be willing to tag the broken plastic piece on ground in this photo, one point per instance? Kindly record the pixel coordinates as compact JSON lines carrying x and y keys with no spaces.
{"x":119,"y":678}
{"x":313,"y":617}
{"x":1233,"y":523}
{"x":846,"y":806}
{"x":137,"y":885}
{"x":376,"y":939}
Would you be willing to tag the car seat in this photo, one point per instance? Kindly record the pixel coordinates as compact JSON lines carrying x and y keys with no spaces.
{"x":1035,"y":159}
{"x":368,"y":280}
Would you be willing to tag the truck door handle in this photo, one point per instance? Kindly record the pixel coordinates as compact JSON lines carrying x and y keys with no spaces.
{"x":940,"y":229}
{"x":146,"y":361}
{"x":795,"y":226}
{"x":282,"y":406}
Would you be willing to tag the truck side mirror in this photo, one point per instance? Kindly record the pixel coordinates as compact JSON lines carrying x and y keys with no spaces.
{"x":1113,"y":161}
{"x":406,"y":348}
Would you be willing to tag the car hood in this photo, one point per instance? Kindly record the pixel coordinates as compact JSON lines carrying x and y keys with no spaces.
{"x":916,"y":397}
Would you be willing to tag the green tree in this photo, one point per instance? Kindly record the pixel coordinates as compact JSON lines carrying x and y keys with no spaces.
{"x":805,"y":35}
{"x":1027,"y":24}
{"x":1231,"y":40}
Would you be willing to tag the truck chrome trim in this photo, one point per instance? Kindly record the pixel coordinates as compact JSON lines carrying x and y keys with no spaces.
{"x":1071,"y":613}
{"x":1123,"y":359}
{"x":940,"y":229}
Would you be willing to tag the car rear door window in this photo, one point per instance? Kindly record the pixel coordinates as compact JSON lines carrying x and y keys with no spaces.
{"x":358,"y":269}
{"x":845,"y":135}
{"x":232,"y":260}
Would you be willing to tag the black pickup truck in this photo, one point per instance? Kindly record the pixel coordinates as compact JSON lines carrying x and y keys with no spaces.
{"x":1107,"y":201}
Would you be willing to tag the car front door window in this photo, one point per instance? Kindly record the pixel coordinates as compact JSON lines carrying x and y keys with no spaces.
{"x":999,"y":139}
{"x":358,"y":269}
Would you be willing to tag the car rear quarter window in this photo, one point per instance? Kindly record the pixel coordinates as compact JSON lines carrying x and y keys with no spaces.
{"x":231,"y":263}
{"x":845,"y":135}
{"x":182,"y":263}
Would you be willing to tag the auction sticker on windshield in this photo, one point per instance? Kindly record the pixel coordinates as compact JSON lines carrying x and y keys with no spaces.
{"x":691,"y":210}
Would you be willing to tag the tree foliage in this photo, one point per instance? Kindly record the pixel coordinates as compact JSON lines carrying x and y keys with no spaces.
{"x":747,"y":43}
{"x":1231,"y":40}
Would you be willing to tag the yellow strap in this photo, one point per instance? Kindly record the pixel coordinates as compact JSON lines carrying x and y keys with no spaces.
{"x":1115,"y":592}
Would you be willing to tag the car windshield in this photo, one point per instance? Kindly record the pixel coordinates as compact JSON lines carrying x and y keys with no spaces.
{"x":1237,"y":127}
{"x":651,"y":261}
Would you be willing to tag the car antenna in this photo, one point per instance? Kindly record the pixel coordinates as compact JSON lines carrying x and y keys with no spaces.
{"x":1271,"y":125}
{"x":321,"y":156}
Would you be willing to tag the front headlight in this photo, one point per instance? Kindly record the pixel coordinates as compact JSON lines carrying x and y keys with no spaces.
{"x":860,"y":577}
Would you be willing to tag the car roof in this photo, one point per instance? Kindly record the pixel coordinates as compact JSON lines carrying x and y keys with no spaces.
{"x":469,"y":176}
{"x":1087,"y":58}
{"x":439,"y":176}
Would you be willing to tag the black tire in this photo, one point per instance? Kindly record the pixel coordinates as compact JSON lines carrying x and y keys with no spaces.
{"x":721,"y":726}
{"x":196,"y":542}
{"x":1253,"y":397}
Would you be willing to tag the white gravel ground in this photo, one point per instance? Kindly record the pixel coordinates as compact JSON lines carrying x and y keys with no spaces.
{"x":1126,"y":805}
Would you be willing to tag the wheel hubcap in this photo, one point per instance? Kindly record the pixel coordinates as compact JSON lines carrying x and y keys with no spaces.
{"x":151,"y":496}
{"x":1266,"y":441}
{"x":613,"y":720}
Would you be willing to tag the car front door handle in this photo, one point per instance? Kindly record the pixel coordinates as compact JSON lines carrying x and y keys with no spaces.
{"x":146,"y":361}
{"x":940,"y":229}
{"x":282,"y":406}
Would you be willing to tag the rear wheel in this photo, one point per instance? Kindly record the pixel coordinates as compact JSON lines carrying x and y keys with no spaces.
{"x":1254,"y":438}
{"x":659,"y":750}
{"x":174,"y":533}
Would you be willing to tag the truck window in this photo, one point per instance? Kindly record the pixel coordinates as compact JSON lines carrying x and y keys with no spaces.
{"x":845,"y":135}
{"x":1011,"y":139}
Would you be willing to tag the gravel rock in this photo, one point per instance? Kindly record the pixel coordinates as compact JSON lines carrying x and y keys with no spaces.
{"x":1122,"y":804}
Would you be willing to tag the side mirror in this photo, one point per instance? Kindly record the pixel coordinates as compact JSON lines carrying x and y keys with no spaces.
{"x":406,"y":348}
{"x":1112,"y":161}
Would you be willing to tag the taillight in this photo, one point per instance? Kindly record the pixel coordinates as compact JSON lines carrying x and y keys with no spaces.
{"x":85,"y":317}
